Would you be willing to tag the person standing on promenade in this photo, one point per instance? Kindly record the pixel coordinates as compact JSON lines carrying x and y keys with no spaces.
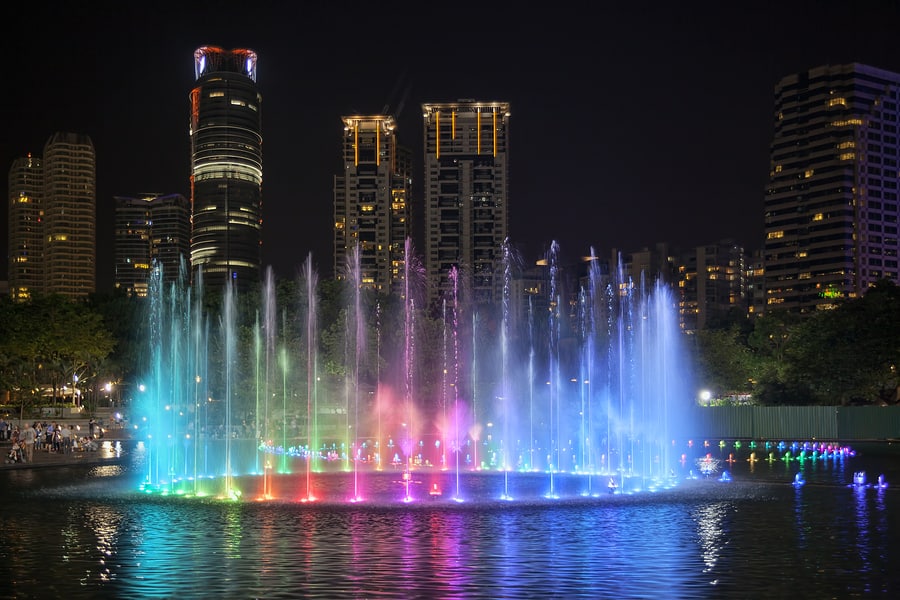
{"x":50,"y":440}
{"x":56,"y":442}
{"x":65,"y":436}
{"x":28,"y":436}
{"x":4,"y":430}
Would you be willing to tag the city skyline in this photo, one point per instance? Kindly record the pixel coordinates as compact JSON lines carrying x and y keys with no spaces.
{"x":629,"y":129}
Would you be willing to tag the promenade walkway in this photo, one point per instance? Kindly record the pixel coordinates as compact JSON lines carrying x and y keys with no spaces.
{"x":111,"y":449}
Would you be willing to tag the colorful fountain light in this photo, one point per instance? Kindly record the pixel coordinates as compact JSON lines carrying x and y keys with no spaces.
{"x":237,"y":401}
{"x":861,"y":482}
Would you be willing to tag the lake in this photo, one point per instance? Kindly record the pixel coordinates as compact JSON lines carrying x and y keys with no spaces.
{"x":86,"y":532}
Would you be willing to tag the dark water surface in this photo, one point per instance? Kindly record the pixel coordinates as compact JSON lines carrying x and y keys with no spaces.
{"x":83,"y":532}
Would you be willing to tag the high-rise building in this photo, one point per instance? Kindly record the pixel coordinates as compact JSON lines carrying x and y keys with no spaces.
{"x":53,"y":220}
{"x":711,"y":284}
{"x":756,"y":284}
{"x":466,"y":196}
{"x":651,"y":264}
{"x":831,"y":204}
{"x":226,"y":168}
{"x":70,"y":216}
{"x":26,"y":233}
{"x":371,"y":203}
{"x":151,"y":230}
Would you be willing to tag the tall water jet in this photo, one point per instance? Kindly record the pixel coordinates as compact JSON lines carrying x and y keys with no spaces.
{"x":228,"y":333}
{"x":356,"y":343}
{"x":169,"y":407}
{"x":265,"y":338}
{"x":411,"y":276}
{"x":554,"y":444}
{"x":451,"y":325}
{"x":310,"y":279}
{"x":170,"y":361}
{"x":612,"y":361}
{"x":510,"y":448}
{"x":580,"y":381}
{"x":185,"y":431}
{"x":634,"y":361}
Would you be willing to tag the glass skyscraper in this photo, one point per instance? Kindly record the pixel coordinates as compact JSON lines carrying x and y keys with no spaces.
{"x":226,"y":168}
{"x":152,"y":230}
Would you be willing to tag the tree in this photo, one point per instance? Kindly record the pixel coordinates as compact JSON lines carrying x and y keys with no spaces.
{"x":724,"y":361}
{"x":849,"y":355}
{"x":771,"y":335}
{"x":47,"y":343}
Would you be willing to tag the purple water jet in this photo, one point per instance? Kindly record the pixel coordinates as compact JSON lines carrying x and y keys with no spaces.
{"x":586,"y":382}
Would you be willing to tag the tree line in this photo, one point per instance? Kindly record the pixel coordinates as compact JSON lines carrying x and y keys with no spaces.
{"x":845,"y":356}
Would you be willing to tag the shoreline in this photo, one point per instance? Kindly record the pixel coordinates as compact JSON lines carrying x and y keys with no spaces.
{"x":110,"y":451}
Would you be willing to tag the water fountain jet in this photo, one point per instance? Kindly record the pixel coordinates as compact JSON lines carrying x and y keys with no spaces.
{"x":586,"y":386}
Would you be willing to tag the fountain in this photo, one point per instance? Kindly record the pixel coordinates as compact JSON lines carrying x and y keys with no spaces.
{"x":579,"y":392}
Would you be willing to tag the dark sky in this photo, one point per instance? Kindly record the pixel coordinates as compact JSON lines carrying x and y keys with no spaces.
{"x":629,"y":126}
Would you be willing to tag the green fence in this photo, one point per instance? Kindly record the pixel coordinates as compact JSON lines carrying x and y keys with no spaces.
{"x":845,"y":423}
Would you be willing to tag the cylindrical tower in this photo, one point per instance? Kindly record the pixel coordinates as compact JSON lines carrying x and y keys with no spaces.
{"x":226,"y":168}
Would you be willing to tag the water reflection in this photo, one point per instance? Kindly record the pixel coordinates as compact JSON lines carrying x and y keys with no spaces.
{"x":710,"y":533}
{"x":703,"y":540}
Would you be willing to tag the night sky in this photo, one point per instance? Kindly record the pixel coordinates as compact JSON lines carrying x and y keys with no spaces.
{"x":630,"y":126}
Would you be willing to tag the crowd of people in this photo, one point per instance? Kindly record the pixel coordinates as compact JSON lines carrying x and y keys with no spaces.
{"x":41,"y":436}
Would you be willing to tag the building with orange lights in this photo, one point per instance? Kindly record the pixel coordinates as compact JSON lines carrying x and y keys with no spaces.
{"x":372,"y":212}
{"x":226,"y":168}
{"x":466,"y":189}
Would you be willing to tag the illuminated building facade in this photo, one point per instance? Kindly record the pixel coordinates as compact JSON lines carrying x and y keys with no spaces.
{"x":70,"y":216}
{"x":466,"y":196}
{"x":712,"y":285}
{"x":831,"y":204}
{"x":151,"y":230}
{"x":371,"y":203}
{"x":26,"y":233}
{"x":226,"y":168}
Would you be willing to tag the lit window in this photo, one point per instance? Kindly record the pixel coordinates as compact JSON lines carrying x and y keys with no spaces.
{"x":847,"y":123}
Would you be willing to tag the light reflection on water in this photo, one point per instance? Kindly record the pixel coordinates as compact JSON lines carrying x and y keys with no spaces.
{"x":758,"y":535}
